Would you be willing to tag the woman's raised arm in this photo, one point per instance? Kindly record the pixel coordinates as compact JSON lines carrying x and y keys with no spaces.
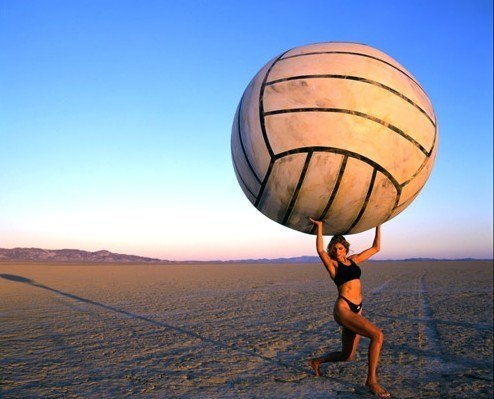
{"x":328,"y":263}
{"x":376,"y":247}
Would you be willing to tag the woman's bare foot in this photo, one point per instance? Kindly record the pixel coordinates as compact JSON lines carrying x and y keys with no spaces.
{"x":315,"y":366}
{"x":377,"y":390}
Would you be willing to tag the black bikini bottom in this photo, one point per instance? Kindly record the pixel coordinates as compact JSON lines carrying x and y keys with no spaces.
{"x":353,"y":307}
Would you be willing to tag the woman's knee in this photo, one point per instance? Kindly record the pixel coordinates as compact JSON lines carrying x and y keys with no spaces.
{"x":378,"y":335}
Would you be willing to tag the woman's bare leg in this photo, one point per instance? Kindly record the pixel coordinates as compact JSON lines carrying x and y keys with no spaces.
{"x":349,"y":343}
{"x":361,"y":326}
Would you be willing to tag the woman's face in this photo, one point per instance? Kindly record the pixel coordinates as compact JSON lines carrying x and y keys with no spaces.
{"x":340,"y":250}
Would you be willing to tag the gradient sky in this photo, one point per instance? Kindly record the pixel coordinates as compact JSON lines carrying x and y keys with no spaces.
{"x":115,"y":122}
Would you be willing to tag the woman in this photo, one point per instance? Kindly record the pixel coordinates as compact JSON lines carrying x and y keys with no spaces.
{"x":347,"y":312}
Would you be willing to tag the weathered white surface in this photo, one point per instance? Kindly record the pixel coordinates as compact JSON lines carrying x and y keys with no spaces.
{"x":339,"y":131}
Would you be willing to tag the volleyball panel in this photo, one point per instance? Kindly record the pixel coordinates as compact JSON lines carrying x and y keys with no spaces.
{"x":349,"y":198}
{"x":352,"y":65}
{"x":243,"y":185}
{"x":355,"y":96}
{"x":243,"y":170}
{"x":379,"y":206}
{"x":358,"y":48}
{"x":250,"y":125}
{"x":315,"y":192}
{"x":281,"y":186}
{"x":345,"y":132}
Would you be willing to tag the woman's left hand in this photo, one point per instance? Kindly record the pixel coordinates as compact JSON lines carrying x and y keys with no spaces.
{"x":316,"y":222}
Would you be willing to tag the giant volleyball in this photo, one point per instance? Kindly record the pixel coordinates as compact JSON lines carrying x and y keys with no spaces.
{"x":335,"y":131}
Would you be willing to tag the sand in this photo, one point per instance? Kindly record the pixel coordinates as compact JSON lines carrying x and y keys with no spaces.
{"x":239,"y":331}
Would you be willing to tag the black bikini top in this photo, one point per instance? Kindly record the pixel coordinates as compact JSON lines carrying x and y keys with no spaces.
{"x":346,"y":273}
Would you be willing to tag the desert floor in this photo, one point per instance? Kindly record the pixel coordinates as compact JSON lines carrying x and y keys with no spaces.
{"x":239,"y":331}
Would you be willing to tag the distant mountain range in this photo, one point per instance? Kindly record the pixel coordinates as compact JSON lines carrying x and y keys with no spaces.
{"x":78,"y":256}
{"x":70,"y":255}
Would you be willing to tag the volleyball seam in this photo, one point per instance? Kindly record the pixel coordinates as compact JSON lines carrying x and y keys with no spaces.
{"x":366,"y":202}
{"x":241,"y":141}
{"x":297,"y":189}
{"x":240,"y":177}
{"x":261,"y":105}
{"x":335,"y":189}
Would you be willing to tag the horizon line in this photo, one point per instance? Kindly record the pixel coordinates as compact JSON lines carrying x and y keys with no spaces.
{"x":291,"y":259}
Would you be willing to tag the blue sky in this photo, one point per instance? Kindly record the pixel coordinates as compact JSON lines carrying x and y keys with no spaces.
{"x":115,"y":121}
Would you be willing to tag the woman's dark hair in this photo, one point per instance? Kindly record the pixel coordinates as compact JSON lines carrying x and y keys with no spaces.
{"x":331,"y":250}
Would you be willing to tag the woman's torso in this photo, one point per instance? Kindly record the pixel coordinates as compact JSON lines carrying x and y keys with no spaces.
{"x":351,"y":289}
